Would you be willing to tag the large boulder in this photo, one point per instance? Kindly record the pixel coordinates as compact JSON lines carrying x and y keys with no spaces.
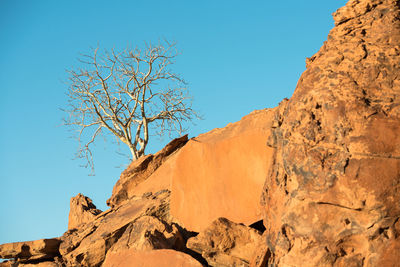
{"x":221,"y":173}
{"x":82,"y":210}
{"x":332,"y":197}
{"x":225,"y":243}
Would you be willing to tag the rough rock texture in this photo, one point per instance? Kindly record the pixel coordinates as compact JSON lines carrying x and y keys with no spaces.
{"x":221,"y":173}
{"x":149,"y":232}
{"x":139,"y":170}
{"x":82,"y":210}
{"x":142,"y":223}
{"x":152,"y":258}
{"x":332,"y":197}
{"x":225,"y":243}
{"x":31,"y":250}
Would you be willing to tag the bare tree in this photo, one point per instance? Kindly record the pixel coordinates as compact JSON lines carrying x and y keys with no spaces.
{"x":128,"y":94}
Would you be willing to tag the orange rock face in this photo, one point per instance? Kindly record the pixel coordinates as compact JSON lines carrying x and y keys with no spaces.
{"x":332,"y":197}
{"x":221,"y":173}
{"x":152,"y":258}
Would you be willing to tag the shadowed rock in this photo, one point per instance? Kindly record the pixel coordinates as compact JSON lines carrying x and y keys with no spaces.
{"x":31,"y":250}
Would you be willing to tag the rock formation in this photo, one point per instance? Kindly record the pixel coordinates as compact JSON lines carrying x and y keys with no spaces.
{"x":82,"y":210}
{"x":332,"y":196}
{"x":142,"y":222}
{"x":322,"y":170}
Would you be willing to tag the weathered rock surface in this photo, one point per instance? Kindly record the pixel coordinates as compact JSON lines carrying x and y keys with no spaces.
{"x":82,"y":210}
{"x":139,"y":170}
{"x":225,"y":243}
{"x":149,"y":232}
{"x":332,"y":197}
{"x":221,"y":173}
{"x":31,"y":250}
{"x":142,"y":223}
{"x":152,"y":258}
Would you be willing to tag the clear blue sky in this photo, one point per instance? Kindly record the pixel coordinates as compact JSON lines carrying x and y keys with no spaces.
{"x":237,"y":56}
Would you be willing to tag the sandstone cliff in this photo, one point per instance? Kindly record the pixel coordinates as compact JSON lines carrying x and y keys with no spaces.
{"x":312,"y":182}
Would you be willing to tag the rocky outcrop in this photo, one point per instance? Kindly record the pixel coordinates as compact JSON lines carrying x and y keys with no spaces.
{"x":221,"y":173}
{"x":139,"y":170}
{"x":82,"y":210}
{"x":225,"y":243}
{"x":332,"y":196}
{"x":141,"y":223}
{"x":152,"y":258}
{"x":326,"y":164}
{"x":42,"y":249}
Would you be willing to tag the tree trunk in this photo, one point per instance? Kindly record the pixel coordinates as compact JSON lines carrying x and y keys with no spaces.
{"x":134,"y":153}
